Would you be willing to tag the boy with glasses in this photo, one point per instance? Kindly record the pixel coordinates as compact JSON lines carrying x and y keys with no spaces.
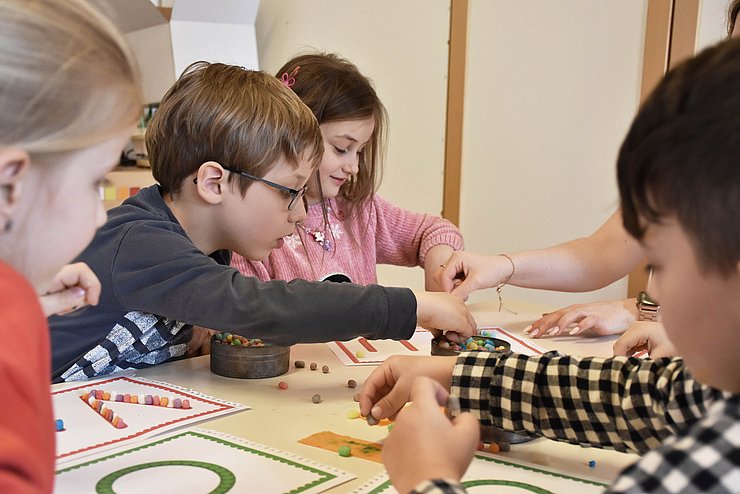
{"x":231,"y":150}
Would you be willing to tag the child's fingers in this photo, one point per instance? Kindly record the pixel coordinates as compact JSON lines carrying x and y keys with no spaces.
{"x":428,"y":392}
{"x":63,"y":302}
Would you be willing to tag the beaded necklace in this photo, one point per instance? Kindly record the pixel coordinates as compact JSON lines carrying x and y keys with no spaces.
{"x":318,"y":236}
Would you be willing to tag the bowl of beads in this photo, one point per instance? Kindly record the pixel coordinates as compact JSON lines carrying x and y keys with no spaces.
{"x":443,"y":346}
{"x":236,"y":356}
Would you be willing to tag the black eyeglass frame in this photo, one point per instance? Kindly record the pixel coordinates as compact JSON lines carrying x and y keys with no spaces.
{"x":294,"y":193}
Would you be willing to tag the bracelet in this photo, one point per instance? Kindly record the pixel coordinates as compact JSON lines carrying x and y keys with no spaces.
{"x":501,"y":285}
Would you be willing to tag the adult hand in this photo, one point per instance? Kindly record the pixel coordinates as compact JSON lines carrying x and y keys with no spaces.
{"x":443,"y":447}
{"x":73,"y":287}
{"x":645,"y":336}
{"x":440,"y":312}
{"x":603,"y":318}
{"x":388,"y":387}
{"x":466,"y":272}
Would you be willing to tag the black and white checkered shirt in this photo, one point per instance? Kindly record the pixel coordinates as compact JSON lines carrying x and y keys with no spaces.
{"x":689,"y":433}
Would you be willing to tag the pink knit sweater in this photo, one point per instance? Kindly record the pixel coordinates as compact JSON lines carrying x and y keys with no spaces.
{"x":392,"y":236}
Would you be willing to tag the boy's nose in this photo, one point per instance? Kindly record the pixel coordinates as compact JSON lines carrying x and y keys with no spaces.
{"x":298,"y":213}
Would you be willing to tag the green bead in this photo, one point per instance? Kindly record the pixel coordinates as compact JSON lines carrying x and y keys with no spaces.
{"x":345,"y":451}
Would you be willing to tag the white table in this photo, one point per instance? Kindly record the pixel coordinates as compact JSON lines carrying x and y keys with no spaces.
{"x":279,"y":418}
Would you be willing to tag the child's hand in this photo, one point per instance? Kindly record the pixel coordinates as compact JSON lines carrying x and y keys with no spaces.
{"x":603,"y":318}
{"x":645,"y":335}
{"x":388,"y":387}
{"x":466,"y":272}
{"x":435,"y":258}
{"x":73,"y":287}
{"x":424,"y":444}
{"x":444,"y":312}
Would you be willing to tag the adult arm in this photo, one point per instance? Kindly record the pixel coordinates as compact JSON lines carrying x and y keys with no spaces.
{"x":583,"y":264}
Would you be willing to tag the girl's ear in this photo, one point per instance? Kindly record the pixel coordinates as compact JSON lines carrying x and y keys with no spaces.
{"x":13,"y":166}
{"x":211,"y":182}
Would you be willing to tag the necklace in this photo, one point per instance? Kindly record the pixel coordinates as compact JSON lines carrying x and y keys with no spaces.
{"x":318,"y":236}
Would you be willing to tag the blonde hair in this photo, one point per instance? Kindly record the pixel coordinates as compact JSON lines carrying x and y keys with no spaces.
{"x":67,"y":77}
{"x":240,"y":118}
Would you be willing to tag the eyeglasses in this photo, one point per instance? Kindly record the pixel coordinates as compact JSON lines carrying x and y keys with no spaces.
{"x":295,"y":194}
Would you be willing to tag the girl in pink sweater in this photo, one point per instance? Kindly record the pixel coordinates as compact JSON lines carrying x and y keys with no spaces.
{"x":348,"y":229}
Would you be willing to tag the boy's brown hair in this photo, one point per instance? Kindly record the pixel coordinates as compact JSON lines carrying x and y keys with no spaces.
{"x":681,"y":157}
{"x":239,"y":118}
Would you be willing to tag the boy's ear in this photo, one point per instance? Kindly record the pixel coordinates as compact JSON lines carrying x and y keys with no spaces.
{"x":211,"y":182}
{"x":13,"y":166}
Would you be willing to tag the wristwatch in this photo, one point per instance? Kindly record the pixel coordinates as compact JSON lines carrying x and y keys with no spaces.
{"x":647,"y":308}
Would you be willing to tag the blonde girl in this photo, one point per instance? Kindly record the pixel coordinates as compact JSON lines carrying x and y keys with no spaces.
{"x":69,"y":98}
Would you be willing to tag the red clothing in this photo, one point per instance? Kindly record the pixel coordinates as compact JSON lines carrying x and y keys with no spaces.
{"x":26,"y":424}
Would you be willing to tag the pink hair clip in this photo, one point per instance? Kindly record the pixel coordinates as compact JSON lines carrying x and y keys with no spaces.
{"x":289,"y":79}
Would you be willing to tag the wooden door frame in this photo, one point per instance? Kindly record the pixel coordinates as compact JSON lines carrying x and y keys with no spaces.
{"x":670,"y":38}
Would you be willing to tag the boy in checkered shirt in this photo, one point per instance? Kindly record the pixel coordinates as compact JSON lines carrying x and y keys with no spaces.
{"x":679,"y":183}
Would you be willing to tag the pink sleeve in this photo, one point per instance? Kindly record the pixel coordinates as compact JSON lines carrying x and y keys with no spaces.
{"x":404,"y":237}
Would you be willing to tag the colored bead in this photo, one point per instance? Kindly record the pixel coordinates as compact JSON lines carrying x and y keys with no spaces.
{"x":344,"y":450}
{"x":371,"y":420}
{"x":493,"y":448}
{"x":356,"y":396}
{"x":353,"y":414}
{"x":119,"y":398}
{"x":351,"y":383}
{"x":313,"y":366}
{"x":148,"y":400}
{"x":186,"y":404}
{"x":325,"y":369}
{"x":177,"y":403}
{"x":591,"y":463}
{"x":316,"y":398}
{"x":155,"y":400}
{"x":127,"y":398}
{"x":163,"y":401}
{"x":300,"y":364}
{"x":283,"y":385}
{"x":360,"y":354}
{"x":59,"y":424}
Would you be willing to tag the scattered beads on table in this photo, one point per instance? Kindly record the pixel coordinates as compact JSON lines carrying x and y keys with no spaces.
{"x":351,"y":383}
{"x":316,"y":398}
{"x":344,"y":450}
{"x":360,"y":354}
{"x":236,"y":340}
{"x":59,"y":425}
{"x":356,"y":397}
{"x":504,"y":447}
{"x":390,"y":427}
{"x":591,"y":463}
{"x":493,"y":448}
{"x":353,"y":414}
{"x":155,"y":400}
{"x":371,"y":420}
{"x":300,"y":364}
{"x":283,"y":385}
{"x":325,"y":369}
{"x":313,"y":366}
